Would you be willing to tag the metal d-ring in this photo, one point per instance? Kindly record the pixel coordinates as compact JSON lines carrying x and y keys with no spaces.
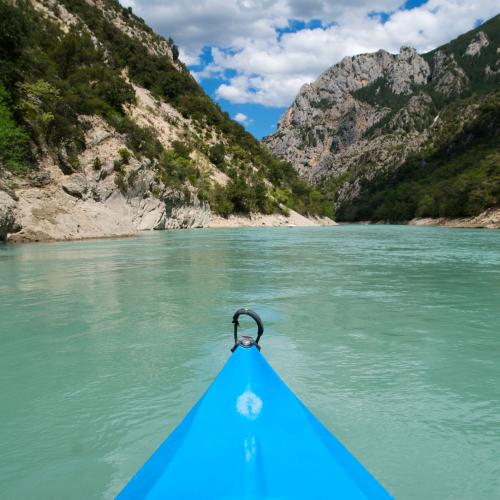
{"x":245,"y":341}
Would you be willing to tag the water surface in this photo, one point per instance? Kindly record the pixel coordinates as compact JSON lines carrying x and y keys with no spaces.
{"x":389,"y":334}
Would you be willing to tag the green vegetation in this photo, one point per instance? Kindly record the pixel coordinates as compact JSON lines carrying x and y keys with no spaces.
{"x":175,"y":169}
{"x":125,"y":155}
{"x":379,"y":93}
{"x":182,"y":149}
{"x":12,"y":34}
{"x":241,"y":196}
{"x":324,"y":103}
{"x":217,"y":154}
{"x":121,"y":182}
{"x":457,"y":175}
{"x":296,"y":193}
{"x":97,"y":163}
{"x":53,"y":77}
{"x":14,"y":151}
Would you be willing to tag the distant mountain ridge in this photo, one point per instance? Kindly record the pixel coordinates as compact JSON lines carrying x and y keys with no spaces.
{"x":103,"y":131}
{"x":393,"y":137}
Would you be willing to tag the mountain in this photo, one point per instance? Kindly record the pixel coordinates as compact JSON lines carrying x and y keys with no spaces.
{"x":103,"y":131}
{"x":397,"y":136}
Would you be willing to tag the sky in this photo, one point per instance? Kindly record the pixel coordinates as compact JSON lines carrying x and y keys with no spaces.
{"x":253,"y":56}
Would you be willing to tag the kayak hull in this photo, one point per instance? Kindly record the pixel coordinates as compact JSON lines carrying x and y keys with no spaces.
{"x":249,"y":436}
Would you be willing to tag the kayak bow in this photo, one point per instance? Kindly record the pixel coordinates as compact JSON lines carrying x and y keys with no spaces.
{"x":250,"y":437}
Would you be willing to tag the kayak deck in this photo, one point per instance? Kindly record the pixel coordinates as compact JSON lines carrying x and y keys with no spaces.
{"x":249,"y":436}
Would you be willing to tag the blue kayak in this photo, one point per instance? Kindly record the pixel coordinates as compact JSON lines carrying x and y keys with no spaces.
{"x":250,"y":437}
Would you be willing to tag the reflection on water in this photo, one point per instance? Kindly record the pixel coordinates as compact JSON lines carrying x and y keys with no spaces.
{"x":389,"y":334}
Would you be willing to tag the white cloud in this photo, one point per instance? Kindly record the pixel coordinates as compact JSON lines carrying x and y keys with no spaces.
{"x":194,"y":24}
{"x":269,"y":68}
{"x":242,"y":118}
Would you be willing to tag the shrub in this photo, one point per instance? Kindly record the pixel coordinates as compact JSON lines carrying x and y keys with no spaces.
{"x":97,"y":163}
{"x":220,"y":202}
{"x":182,"y":149}
{"x":37,"y":105}
{"x":118,"y":165}
{"x":125,"y":155}
{"x":14,"y":150}
{"x":73,"y":162}
{"x":121,"y":182}
{"x":216,"y":154}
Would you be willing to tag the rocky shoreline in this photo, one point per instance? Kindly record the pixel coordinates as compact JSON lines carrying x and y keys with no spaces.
{"x":293,"y":219}
{"x":52,"y":214}
{"x":489,"y":219}
{"x":216,"y":222}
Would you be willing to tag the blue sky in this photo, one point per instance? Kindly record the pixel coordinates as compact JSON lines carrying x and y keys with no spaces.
{"x":252,"y":56}
{"x":258,"y":119}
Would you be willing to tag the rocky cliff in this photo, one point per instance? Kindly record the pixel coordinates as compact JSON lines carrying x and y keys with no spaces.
{"x":377,"y":123}
{"x":103,"y":132}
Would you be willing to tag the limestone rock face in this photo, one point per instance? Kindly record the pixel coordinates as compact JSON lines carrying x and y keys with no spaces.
{"x":75,"y":185}
{"x":7,"y":217}
{"x":477,"y":44}
{"x":406,"y":70}
{"x":450,"y":78}
{"x":324,"y":129}
{"x":181,"y":215}
{"x":151,"y":214}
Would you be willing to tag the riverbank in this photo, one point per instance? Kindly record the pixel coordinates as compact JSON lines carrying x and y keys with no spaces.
{"x":293,"y":219}
{"x":87,"y":221}
{"x":489,"y":219}
{"x":68,"y":209}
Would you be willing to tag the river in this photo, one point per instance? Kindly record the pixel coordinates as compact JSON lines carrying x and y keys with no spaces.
{"x":390,"y":334}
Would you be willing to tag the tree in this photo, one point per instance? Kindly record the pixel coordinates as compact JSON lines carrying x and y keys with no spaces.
{"x":216,"y":154}
{"x":14,"y":151}
{"x":175,"y":49}
{"x":12,"y":35}
{"x":175,"y":52}
{"x":12,"y":30}
{"x":37,"y":105}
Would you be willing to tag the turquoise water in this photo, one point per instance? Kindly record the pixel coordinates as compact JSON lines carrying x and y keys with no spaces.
{"x":390,"y":334}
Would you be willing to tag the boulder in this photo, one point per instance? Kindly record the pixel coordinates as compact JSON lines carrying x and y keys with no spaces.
{"x":75,"y":185}
{"x":7,"y":216}
{"x":182,"y":213}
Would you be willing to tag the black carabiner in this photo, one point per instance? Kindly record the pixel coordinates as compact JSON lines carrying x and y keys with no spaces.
{"x":247,"y":341}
